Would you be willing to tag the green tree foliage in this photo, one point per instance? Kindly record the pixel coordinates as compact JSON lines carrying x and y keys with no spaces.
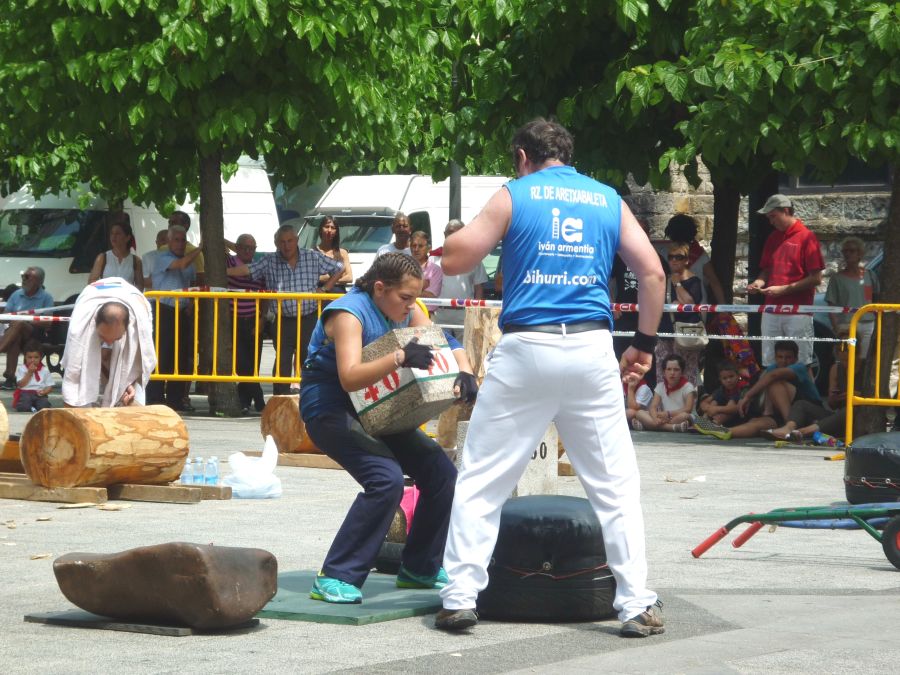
{"x":128,"y":94}
{"x":152,"y":99}
{"x":786,"y":85}
{"x":519,"y":59}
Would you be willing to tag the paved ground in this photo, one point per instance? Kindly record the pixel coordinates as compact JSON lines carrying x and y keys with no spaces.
{"x":790,"y":601}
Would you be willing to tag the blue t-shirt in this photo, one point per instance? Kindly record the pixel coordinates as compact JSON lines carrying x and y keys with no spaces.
{"x":19,"y":302}
{"x":320,"y":387}
{"x":559,"y":248}
{"x":806,"y":388}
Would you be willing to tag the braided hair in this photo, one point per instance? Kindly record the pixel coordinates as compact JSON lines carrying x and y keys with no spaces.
{"x":389,"y":269}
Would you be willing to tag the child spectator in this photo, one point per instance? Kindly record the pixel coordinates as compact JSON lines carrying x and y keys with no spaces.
{"x":637,"y":397}
{"x":722,"y":405}
{"x":32,"y":381}
{"x":673,"y":400}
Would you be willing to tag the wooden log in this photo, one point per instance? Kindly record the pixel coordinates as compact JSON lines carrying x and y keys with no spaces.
{"x":66,"y":447}
{"x":9,"y":455}
{"x":281,"y":420}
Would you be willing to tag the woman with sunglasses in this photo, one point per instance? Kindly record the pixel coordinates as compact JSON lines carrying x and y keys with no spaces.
{"x":683,"y":288}
{"x":330,"y":245}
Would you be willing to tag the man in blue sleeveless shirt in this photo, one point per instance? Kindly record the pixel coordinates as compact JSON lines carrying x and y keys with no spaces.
{"x":555,"y":363}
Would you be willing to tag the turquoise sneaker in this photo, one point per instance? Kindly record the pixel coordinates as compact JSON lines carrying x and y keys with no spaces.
{"x":335,"y":590}
{"x":406,"y":579}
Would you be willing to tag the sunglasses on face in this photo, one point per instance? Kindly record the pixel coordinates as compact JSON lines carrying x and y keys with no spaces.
{"x":677,"y":256}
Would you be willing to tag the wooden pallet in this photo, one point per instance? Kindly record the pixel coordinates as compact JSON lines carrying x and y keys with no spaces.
{"x":19,"y":486}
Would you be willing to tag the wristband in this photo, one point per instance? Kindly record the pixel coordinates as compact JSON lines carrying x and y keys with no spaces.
{"x":398,"y":357}
{"x":643,"y":342}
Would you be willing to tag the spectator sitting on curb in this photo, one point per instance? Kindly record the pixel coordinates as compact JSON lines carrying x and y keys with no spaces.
{"x":673,"y":400}
{"x":31,"y":296}
{"x":33,"y":381}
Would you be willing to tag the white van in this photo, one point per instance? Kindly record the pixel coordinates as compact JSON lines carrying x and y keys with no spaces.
{"x":56,"y":234}
{"x":364,"y":208}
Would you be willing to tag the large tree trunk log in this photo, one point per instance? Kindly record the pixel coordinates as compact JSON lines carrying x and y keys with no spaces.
{"x":281,"y":420}
{"x":481,"y":334}
{"x":68,"y":447}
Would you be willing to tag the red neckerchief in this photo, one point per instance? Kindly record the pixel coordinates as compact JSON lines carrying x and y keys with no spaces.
{"x":37,"y":378}
{"x":683,"y":381}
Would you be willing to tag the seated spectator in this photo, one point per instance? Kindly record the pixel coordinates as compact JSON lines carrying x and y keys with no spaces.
{"x":673,"y":400}
{"x":119,"y":260}
{"x":432,"y":274}
{"x":722,"y":405}
{"x":682,"y":287}
{"x":31,"y":296}
{"x":110,"y":352}
{"x":806,"y":417}
{"x":767,"y":404}
{"x":638,"y":396}
{"x":33,"y":382}
{"x":853,"y":286}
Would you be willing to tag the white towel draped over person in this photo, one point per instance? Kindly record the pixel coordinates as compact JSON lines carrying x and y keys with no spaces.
{"x":100,"y":326}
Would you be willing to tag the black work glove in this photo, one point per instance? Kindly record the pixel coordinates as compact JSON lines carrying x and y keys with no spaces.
{"x":468,"y":387}
{"x":416,"y":355}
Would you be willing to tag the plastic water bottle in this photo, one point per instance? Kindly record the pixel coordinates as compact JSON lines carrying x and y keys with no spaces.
{"x":198,"y":470}
{"x":211,"y":474}
{"x":187,"y":476}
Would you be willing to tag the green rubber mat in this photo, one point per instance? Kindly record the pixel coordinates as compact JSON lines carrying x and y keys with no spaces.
{"x":382,"y":601}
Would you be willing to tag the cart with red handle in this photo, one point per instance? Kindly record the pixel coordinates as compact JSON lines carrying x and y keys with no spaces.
{"x":881,"y":520}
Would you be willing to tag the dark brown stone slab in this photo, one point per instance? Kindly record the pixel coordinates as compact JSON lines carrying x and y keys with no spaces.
{"x":201,"y":586}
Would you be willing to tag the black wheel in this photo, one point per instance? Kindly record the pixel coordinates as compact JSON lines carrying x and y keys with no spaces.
{"x":389,"y":557}
{"x":890,"y":541}
{"x":872,"y":469}
{"x":549,"y":563}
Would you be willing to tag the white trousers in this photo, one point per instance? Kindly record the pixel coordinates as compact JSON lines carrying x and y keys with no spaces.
{"x":533,"y":379}
{"x":788,"y":326}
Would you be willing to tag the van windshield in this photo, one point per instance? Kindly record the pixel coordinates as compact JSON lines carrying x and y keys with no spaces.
{"x":359,"y":234}
{"x":50,"y":233}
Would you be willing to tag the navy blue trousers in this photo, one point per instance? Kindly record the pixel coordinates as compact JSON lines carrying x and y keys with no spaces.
{"x":378,"y":465}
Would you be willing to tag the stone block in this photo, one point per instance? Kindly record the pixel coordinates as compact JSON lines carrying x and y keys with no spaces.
{"x":540,"y":476}
{"x":407,"y":397}
{"x":201,"y":586}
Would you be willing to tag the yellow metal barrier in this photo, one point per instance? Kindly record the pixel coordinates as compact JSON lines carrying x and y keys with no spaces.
{"x":853,"y":399}
{"x":194,"y":298}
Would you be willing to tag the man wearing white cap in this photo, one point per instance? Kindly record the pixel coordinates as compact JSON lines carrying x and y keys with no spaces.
{"x":789,"y":271}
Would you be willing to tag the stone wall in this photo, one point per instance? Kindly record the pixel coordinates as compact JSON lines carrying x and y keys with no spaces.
{"x":832,"y":216}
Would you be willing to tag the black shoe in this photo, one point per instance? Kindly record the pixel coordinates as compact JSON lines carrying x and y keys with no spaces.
{"x":455,"y":619}
{"x":9,"y":383}
{"x":649,"y":622}
{"x":260,"y":404}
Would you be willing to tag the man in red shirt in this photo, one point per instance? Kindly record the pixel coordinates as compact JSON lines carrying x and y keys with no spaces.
{"x":790,"y":270}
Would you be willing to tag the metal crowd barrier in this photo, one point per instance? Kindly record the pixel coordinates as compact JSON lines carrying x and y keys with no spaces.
{"x":852,"y":398}
{"x":233,"y":297}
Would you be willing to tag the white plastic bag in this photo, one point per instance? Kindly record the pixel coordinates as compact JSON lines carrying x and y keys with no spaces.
{"x":254,"y":477}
